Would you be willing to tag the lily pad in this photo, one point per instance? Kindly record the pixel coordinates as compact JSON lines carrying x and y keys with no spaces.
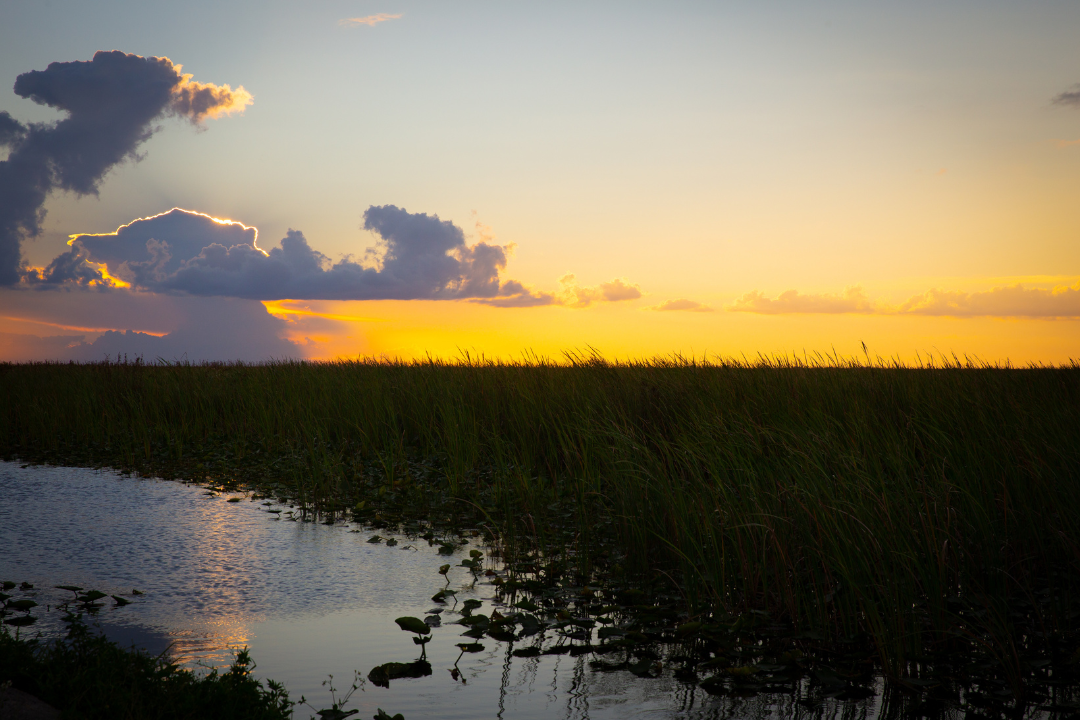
{"x":21,"y":621}
{"x":471,"y":647}
{"x":23,"y":605}
{"x":413,"y":625}
{"x":381,"y":675}
{"x":335,"y":714}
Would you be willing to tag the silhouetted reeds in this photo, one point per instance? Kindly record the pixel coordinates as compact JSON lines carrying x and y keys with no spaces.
{"x":914,"y":506}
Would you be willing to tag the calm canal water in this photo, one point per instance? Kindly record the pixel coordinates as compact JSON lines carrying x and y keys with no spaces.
{"x":309,"y":600}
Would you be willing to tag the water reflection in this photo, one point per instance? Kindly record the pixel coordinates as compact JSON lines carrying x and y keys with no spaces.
{"x":310,"y":601}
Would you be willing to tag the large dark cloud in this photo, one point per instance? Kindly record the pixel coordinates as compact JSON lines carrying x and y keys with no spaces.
{"x":112,"y":102}
{"x":418,"y":256}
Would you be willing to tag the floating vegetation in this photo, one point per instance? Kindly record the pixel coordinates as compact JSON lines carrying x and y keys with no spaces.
{"x":381,"y":675}
{"x":82,"y":601}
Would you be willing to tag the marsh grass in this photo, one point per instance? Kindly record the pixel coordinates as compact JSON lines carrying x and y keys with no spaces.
{"x":918,"y":508}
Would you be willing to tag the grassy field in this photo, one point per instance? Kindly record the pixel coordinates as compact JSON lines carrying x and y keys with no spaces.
{"x":916,"y":508}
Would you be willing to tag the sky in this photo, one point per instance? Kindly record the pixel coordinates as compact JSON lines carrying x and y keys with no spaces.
{"x":392,"y":178}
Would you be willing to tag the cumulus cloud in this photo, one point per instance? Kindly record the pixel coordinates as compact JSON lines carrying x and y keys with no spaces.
{"x":369,"y":20}
{"x":417,"y":256}
{"x":112,"y":102}
{"x":681,"y":305}
{"x":853,"y":300}
{"x":1069,"y":98}
{"x":1008,"y":301}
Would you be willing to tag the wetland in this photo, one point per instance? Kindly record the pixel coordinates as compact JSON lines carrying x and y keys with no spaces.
{"x":659,"y":539}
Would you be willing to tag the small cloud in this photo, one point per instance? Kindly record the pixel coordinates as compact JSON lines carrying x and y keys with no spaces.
{"x":853,"y":300}
{"x":1066,"y":143}
{"x":1069,"y":98}
{"x":197,"y":100}
{"x":579,"y":296}
{"x":369,"y":20}
{"x":942,"y":171}
{"x":681,"y":304}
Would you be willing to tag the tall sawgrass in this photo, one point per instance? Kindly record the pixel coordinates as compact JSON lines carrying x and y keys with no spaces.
{"x":915,"y":506}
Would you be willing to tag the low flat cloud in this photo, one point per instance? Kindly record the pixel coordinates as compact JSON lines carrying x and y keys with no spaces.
{"x":572,"y":294}
{"x":680,"y":305}
{"x":112,"y":103}
{"x":196,"y":329}
{"x":369,"y":20}
{"x":1015,"y":301}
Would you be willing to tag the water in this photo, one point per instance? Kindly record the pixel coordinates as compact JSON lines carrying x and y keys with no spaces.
{"x":309,"y":600}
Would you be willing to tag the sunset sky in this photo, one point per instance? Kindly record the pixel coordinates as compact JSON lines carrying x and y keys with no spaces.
{"x":645,"y":179}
